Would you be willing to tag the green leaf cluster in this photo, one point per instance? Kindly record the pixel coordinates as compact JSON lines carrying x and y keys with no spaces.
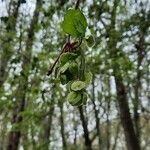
{"x":68,"y":73}
{"x":78,"y":90}
{"x":69,"y":70}
{"x":68,"y":67}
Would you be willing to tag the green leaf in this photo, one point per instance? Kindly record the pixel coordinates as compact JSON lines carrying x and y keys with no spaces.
{"x":65,"y":57}
{"x":79,"y":103}
{"x":64,"y":68}
{"x":74,"y":98}
{"x":66,"y":77}
{"x":63,"y":79}
{"x":90,"y":41}
{"x":69,"y":85}
{"x":78,"y":85}
{"x":88,"y":78}
{"x":85,"y":97}
{"x":74,"y":23}
{"x":77,"y":98}
{"x":73,"y":68}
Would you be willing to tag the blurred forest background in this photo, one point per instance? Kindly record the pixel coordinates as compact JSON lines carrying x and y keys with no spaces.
{"x":34,"y":113}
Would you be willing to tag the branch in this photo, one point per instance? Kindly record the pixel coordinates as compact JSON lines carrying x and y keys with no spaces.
{"x":52,"y":68}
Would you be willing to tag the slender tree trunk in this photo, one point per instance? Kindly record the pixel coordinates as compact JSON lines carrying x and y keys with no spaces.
{"x":75,"y":136}
{"x":62,"y":126}
{"x":14,"y":136}
{"x":108,"y":124}
{"x":48,"y":120}
{"x":136,"y":100}
{"x":88,"y":143}
{"x":131,"y":138}
{"x":140,"y":46}
{"x":96,"y":112}
{"x":47,"y":127}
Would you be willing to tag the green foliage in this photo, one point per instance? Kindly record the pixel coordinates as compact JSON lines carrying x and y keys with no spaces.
{"x":73,"y":67}
{"x":65,"y":57}
{"x":70,"y":76}
{"x":88,"y":78}
{"x":77,"y":98}
{"x":64,"y":68}
{"x":74,"y":23}
{"x":74,"y":98}
{"x":69,"y":73}
{"x":63,"y":79}
{"x":84,"y":98}
{"x":78,"y":85}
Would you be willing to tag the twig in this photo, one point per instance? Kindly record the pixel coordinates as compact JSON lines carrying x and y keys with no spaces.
{"x":52,"y":68}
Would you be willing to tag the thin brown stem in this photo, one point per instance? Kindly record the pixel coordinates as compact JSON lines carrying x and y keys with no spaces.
{"x":52,"y":68}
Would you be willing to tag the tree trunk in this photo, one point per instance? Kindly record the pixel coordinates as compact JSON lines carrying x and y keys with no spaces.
{"x":96,"y":112}
{"x":62,"y":126}
{"x":131,"y":138}
{"x":47,"y":127}
{"x":140,"y":47}
{"x":14,"y":136}
{"x":108,"y":123}
{"x":88,"y":143}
